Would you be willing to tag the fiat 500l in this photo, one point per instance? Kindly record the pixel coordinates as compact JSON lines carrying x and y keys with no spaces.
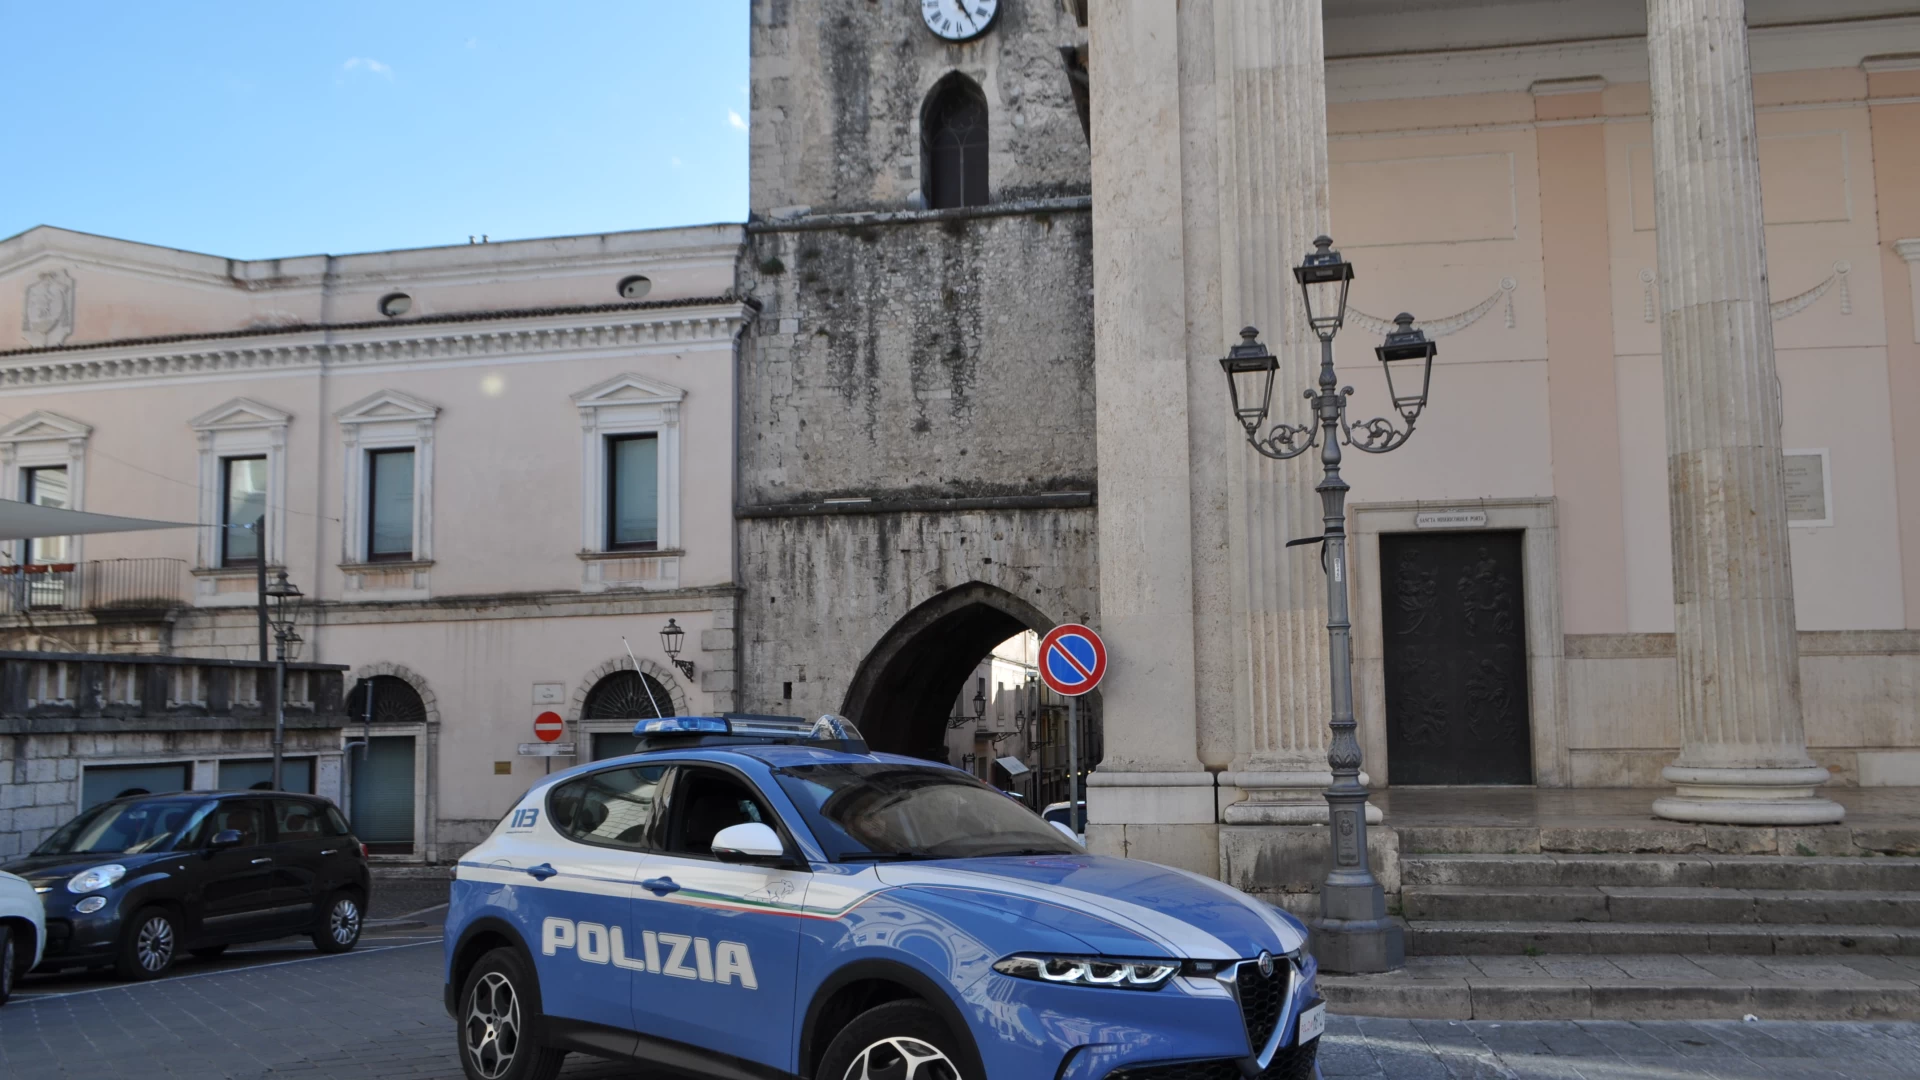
{"x":755,"y":898}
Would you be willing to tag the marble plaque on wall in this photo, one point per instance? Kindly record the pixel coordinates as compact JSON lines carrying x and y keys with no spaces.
{"x":1807,"y":497}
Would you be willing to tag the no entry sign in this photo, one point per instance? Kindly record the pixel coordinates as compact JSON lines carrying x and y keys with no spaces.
{"x":1073,"y":659}
{"x":548,"y":726}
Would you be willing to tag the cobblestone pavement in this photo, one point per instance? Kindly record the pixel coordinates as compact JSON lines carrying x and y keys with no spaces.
{"x":377,"y":1013}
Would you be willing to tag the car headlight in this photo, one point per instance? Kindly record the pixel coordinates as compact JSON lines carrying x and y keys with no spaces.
{"x":1090,"y":971}
{"x":100,"y":877}
{"x":90,"y":905}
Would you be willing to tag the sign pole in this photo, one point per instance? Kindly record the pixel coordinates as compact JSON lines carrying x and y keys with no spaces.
{"x":1073,"y":763}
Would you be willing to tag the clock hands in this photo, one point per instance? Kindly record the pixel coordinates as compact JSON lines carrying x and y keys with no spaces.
{"x":962,"y":6}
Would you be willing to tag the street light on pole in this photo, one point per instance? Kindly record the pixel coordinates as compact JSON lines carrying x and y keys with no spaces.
{"x":1353,"y":932}
{"x":286,"y":611}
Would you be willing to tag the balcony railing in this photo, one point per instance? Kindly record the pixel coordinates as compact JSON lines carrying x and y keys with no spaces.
{"x":99,"y":585}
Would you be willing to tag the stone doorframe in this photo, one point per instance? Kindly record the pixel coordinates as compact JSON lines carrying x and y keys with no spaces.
{"x":426,"y":759}
{"x":1546,"y":662}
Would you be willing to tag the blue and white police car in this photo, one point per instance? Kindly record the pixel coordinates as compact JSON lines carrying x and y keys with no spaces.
{"x":751,"y":897}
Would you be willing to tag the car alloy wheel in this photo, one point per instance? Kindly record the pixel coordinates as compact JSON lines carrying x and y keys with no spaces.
{"x":902,"y":1058}
{"x":493,"y":1025}
{"x":343,"y":922}
{"x":153,"y":946}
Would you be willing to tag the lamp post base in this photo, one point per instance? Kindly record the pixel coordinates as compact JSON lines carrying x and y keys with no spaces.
{"x":1354,"y":935}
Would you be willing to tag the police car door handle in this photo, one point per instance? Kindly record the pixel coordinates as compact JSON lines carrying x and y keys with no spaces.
{"x":542,"y":872}
{"x":660,"y":886}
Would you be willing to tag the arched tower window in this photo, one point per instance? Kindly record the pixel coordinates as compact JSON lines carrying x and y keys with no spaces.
{"x":395,"y":701}
{"x":627,"y":695}
{"x":953,"y":143}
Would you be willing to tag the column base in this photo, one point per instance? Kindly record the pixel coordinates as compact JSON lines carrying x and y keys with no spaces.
{"x":1757,"y":796}
{"x":1283,"y":798}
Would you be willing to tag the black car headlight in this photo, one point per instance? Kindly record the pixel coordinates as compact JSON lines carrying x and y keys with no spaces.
{"x":1090,"y":970}
{"x":100,"y":877}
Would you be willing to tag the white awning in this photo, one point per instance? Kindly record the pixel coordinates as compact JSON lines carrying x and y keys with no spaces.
{"x":25,"y":521}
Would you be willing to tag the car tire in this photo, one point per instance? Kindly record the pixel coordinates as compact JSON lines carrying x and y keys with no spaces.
{"x":499,"y":1014}
{"x":149,"y":946}
{"x":886,"y":1036}
{"x":210,"y":952}
{"x":9,"y":961}
{"x":338,"y":928}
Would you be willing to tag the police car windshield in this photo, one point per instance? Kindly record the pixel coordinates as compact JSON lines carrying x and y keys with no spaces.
{"x":120,"y":828}
{"x":877,"y":810}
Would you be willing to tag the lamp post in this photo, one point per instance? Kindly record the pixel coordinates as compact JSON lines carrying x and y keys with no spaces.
{"x":1353,"y":932}
{"x":670,"y":638}
{"x":286,"y":611}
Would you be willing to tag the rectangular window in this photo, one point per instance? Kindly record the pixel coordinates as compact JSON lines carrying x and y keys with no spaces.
{"x":47,"y":486}
{"x":243,"y":501}
{"x":389,"y":505}
{"x":633,"y":493}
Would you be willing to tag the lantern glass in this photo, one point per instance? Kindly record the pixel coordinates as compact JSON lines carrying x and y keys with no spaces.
{"x":1250,"y":369}
{"x":1324,"y":277}
{"x":671,"y":637}
{"x":1405,"y":348}
{"x":980,"y":700}
{"x":286,"y":598}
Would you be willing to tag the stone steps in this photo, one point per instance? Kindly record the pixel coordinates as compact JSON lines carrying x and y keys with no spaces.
{"x":1660,"y":904}
{"x":1635,"y":987}
{"x":1496,"y":938}
{"x":1776,"y":872}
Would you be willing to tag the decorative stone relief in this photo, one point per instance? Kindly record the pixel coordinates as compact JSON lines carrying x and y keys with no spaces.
{"x":1452,"y":324}
{"x":1780,"y":309}
{"x":48,"y":317}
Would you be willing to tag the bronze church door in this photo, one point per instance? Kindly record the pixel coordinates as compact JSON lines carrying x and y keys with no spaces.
{"x":1453,"y":624}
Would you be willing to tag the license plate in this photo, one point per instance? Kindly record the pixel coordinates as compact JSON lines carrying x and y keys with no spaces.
{"x":1312,"y":1023}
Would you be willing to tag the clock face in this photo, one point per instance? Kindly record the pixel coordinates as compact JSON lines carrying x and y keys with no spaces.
{"x":959,"y":20}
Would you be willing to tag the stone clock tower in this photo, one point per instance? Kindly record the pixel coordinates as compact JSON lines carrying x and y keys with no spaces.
{"x":916,"y":407}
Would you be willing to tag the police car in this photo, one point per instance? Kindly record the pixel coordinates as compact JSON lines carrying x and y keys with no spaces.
{"x":756,"y":897}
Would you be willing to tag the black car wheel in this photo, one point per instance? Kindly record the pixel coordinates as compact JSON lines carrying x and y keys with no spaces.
{"x":339,"y":927}
{"x":901,"y":1040}
{"x":499,"y":1013}
{"x":211,"y":952}
{"x":151,"y":943}
{"x":9,"y":943}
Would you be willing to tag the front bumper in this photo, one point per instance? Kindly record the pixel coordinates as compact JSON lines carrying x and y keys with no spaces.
{"x":75,"y":939}
{"x":1195,"y":1028}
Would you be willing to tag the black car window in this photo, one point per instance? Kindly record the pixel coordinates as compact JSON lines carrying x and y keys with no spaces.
{"x":611,"y":807}
{"x":336,"y":824}
{"x":131,"y":827}
{"x":865,"y":810}
{"x":706,"y":801}
{"x":296,"y":819}
{"x":249,"y":817}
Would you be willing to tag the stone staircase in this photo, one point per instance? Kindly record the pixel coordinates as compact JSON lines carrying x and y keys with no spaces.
{"x":1676,"y":922}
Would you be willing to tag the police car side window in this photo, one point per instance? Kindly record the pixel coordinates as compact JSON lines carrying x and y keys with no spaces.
{"x":706,"y":801}
{"x":612,"y":808}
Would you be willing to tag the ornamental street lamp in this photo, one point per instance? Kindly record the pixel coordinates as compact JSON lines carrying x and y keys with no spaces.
{"x":670,"y":638}
{"x":1353,"y":932}
{"x":286,"y":599}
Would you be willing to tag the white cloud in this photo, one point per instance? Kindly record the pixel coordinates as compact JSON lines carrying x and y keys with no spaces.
{"x":367,"y":64}
{"x":735,"y":119}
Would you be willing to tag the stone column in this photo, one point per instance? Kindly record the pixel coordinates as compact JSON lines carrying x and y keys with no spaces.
{"x":1151,"y":798}
{"x":1271,"y":103}
{"x":1743,"y":758}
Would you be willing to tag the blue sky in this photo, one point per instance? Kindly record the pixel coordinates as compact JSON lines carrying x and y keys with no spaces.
{"x":270,"y":128}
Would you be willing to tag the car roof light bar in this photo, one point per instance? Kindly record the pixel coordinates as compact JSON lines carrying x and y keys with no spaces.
{"x":830,"y":731}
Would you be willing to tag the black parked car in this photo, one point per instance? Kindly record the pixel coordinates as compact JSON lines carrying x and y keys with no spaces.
{"x":132,"y":883}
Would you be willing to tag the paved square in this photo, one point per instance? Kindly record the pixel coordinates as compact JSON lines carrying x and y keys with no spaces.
{"x":377,"y":1013}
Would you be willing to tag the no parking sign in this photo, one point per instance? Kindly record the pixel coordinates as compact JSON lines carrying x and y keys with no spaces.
{"x":1073,"y":659}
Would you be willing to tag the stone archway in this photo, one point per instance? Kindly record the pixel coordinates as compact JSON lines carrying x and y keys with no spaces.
{"x":906,"y":686}
{"x":426,"y":733}
{"x":660,"y":675}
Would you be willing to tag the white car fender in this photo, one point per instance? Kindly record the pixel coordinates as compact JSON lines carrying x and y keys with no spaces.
{"x":19,"y":901}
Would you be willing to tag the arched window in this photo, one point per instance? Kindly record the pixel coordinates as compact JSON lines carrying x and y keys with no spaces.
{"x":627,"y":695}
{"x":395,"y":701}
{"x":953,"y":143}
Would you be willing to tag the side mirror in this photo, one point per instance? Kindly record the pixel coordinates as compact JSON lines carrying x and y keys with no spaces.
{"x":747,"y":842}
{"x":225,"y":839}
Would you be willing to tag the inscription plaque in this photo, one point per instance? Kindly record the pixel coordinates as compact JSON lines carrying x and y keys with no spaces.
{"x":1806,"y":474}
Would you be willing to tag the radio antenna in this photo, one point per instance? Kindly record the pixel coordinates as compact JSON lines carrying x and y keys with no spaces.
{"x":642,"y":676}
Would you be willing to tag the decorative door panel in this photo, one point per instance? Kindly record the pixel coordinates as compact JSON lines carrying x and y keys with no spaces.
{"x":1453,"y":623}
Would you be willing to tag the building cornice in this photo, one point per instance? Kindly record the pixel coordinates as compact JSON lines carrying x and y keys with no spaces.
{"x":712,"y":321}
